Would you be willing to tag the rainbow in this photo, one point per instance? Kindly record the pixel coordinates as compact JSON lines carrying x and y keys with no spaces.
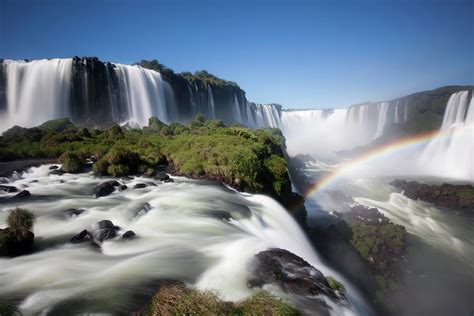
{"x":379,"y":152}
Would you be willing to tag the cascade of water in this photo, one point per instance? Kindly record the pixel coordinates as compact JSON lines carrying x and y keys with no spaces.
{"x":455,"y":110}
{"x":143,"y":93}
{"x":382,"y":119}
{"x":236,"y":110}
{"x":250,"y":116}
{"x":36,"y":91}
{"x":451,"y":153}
{"x":210,"y":103}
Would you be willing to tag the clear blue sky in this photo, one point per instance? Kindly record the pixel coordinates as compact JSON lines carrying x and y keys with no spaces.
{"x":297,"y":53}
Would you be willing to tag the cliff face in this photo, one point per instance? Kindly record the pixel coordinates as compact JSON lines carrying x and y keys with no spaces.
{"x":96,"y":93}
{"x":412,"y":114}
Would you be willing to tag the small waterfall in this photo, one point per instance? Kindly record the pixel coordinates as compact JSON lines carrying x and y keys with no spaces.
{"x":143,"y":93}
{"x":236,"y":110}
{"x":451,"y":154}
{"x":210,"y":103}
{"x":36,"y":91}
{"x":455,"y":110}
{"x":382,"y":119}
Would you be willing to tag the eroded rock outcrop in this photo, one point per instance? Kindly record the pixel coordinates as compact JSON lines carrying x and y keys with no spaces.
{"x":445,"y":195}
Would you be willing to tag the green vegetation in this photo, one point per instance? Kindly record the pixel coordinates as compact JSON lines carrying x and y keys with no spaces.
{"x":8,"y":309}
{"x":20,"y":221}
{"x":249,"y":160}
{"x":203,"y":76}
{"x":335,"y":284}
{"x":71,"y":162}
{"x":17,"y":238}
{"x":176,"y":299}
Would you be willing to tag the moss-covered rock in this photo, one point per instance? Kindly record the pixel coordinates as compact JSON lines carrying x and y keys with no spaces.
{"x":17,"y":238}
{"x":72,"y":162}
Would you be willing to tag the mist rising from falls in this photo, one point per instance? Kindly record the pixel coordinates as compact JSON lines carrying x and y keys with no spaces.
{"x":36,"y":91}
{"x":451,"y":154}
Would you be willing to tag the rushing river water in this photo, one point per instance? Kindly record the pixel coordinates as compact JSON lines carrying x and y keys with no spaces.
{"x":195,"y":231}
{"x":437,"y":270}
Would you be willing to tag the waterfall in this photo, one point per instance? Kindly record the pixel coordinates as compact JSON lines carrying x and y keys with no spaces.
{"x":455,"y":110}
{"x":451,"y":154}
{"x":143,"y":93}
{"x":210,"y":103}
{"x":36,"y":91}
{"x":236,"y":110}
{"x":382,"y":119}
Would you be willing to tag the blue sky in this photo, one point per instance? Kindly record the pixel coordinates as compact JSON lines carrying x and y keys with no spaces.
{"x":297,"y":53}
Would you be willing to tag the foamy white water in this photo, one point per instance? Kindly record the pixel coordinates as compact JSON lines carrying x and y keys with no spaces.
{"x":181,"y":232}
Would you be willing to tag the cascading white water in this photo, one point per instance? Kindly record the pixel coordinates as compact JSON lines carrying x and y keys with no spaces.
{"x":382,"y":119}
{"x":143,"y":93}
{"x":451,"y":153}
{"x":36,"y":91}
{"x":200,"y":233}
{"x":210,"y":103}
{"x":266,"y":115}
{"x":236,"y":110}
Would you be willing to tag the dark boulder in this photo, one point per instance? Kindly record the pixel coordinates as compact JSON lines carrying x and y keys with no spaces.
{"x":105,"y":234}
{"x":292,"y":274}
{"x":83,"y":236}
{"x":73,"y":212}
{"x":105,"y":224}
{"x":123,"y":187}
{"x":166,"y":178}
{"x":129,"y":234}
{"x":8,"y":188}
{"x":57,"y":172}
{"x":23,"y":194}
{"x":54,"y":167}
{"x":105,"y":188}
{"x":105,"y":230}
{"x":139,"y":186}
{"x":14,"y":243}
{"x":445,"y":195}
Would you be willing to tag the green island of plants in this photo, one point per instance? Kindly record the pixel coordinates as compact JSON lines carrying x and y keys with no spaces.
{"x":248,"y":160}
{"x":176,"y":299}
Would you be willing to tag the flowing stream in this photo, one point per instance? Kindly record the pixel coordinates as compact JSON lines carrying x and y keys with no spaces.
{"x":191,"y":230}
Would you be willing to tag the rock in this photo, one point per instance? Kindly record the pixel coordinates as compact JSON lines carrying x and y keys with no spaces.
{"x":8,"y":188}
{"x":54,"y":167}
{"x":23,"y":194}
{"x":123,"y":187}
{"x":292,"y":274}
{"x":129,"y":234}
{"x":139,"y":186}
{"x":105,"y":188}
{"x":105,"y":224}
{"x":445,"y":195}
{"x":166,"y":178}
{"x":104,"y":234}
{"x":15,"y":244}
{"x":83,"y":236}
{"x":57,"y":172}
{"x":73,"y":212}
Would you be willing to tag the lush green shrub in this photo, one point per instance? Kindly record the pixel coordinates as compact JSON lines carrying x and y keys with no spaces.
{"x":335,"y":284}
{"x":264,"y":303}
{"x":58,"y":125}
{"x":72,"y":162}
{"x":114,"y":132}
{"x":176,"y":299}
{"x":155,"y":125}
{"x":20,"y":221}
